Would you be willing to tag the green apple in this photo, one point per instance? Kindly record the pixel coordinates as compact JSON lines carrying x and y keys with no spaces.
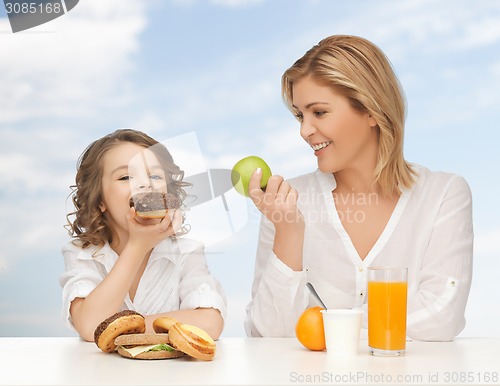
{"x":243,"y":170}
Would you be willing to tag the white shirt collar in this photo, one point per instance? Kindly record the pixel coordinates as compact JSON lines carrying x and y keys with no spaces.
{"x":105,"y":255}
{"x":326,"y":180}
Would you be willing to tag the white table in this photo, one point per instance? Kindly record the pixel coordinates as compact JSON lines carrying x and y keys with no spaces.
{"x":249,"y":361}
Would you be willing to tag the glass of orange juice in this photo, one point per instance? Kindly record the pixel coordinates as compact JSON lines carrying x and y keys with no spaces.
{"x":387,"y":292}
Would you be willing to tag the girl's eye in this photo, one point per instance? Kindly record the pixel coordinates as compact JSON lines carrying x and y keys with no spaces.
{"x":156,"y":177}
{"x":299,"y":117}
{"x":125,"y":178}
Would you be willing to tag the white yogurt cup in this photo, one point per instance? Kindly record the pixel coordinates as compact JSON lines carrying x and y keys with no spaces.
{"x":342,"y":327}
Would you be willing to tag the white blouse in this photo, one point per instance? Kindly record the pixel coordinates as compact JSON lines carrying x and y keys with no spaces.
{"x":176,"y":277}
{"x":430,"y":232}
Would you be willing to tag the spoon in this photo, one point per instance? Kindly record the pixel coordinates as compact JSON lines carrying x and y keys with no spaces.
{"x":315,"y":294}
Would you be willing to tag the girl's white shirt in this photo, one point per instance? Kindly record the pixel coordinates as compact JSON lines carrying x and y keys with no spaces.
{"x":430,"y":232}
{"x":176,"y":277}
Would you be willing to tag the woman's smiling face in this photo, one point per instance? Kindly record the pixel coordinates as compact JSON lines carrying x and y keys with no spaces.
{"x":341,"y":136}
{"x":128,"y":169}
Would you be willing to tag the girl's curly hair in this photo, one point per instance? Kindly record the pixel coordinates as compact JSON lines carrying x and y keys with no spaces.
{"x":87,"y":224}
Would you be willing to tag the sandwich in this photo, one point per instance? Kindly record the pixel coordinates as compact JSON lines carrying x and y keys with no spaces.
{"x":124,"y":332}
{"x":146,"y":346}
{"x":154,"y":204}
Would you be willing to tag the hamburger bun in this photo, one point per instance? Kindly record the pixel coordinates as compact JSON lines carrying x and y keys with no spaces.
{"x":141,"y":339}
{"x":124,"y":322}
{"x":163,"y":324}
{"x":154,"y":204}
{"x":192,"y":340}
{"x":146,"y":346}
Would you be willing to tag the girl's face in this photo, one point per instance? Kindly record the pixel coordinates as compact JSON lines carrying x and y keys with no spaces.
{"x":340,"y":136}
{"x":128,"y":169}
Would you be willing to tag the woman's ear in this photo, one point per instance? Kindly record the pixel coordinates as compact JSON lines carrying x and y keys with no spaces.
{"x":102,"y":207}
{"x":372,"y":121}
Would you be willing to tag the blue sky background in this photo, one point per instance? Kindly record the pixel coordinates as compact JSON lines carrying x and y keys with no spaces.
{"x":211,"y":70}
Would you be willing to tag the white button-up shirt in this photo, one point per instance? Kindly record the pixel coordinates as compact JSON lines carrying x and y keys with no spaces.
{"x":176,"y":277}
{"x":430,"y":232}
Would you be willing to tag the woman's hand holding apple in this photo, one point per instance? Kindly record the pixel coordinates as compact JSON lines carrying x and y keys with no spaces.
{"x":279,"y":204}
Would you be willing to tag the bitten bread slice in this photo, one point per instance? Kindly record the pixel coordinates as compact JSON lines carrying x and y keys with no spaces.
{"x":154,"y":204}
{"x":163,"y":324}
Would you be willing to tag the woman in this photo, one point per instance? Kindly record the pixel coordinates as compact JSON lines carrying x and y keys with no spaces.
{"x":364,"y":206}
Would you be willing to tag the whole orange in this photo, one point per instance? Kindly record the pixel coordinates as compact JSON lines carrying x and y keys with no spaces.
{"x":309,"y":329}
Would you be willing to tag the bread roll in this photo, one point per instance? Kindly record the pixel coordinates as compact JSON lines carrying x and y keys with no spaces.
{"x":192,"y":340}
{"x":124,"y":322}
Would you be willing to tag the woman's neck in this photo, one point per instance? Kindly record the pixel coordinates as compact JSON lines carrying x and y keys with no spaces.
{"x":356,"y":181}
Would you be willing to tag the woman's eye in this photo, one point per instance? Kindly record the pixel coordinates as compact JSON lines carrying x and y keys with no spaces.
{"x":125,"y":178}
{"x":319,"y":113}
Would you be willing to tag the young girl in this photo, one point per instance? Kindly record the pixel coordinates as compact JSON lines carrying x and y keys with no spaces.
{"x":364,"y":206}
{"x":117,"y":261}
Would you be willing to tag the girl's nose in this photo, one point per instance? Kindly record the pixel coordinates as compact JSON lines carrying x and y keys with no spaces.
{"x":144,"y":184}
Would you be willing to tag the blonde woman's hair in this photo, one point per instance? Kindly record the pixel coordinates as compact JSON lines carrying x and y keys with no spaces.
{"x":87,"y":224}
{"x":360,"y":71}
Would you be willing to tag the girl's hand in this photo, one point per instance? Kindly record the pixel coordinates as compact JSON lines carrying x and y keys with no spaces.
{"x":278,"y":203}
{"x":145,"y":234}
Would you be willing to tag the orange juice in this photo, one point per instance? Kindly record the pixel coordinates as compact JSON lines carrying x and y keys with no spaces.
{"x":387,"y":315}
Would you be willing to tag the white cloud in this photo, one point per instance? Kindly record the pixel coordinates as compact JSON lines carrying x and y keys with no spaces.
{"x":34,"y":227}
{"x":74,"y":67}
{"x":235,"y":3}
{"x":212,"y":97}
{"x":150,"y":122}
{"x":481,"y":32}
{"x":37,"y":162}
{"x":407,"y":29}
{"x":219,"y":3}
